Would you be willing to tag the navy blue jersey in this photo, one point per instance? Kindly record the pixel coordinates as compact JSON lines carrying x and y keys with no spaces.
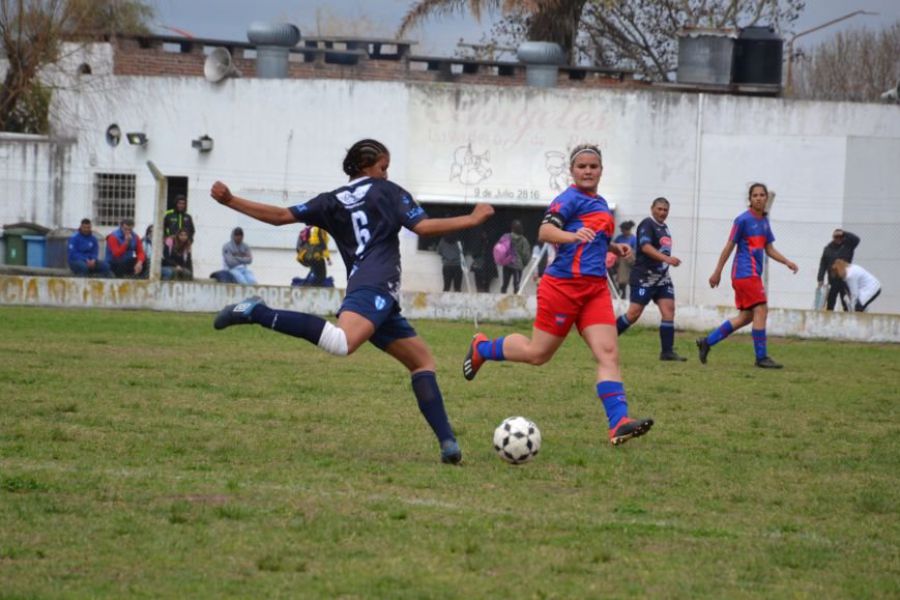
{"x":648,"y":271}
{"x":364,"y":217}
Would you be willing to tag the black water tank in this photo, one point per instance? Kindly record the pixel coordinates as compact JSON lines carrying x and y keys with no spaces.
{"x":758,"y":53}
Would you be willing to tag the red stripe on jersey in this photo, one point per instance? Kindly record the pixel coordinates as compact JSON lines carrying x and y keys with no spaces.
{"x":600,"y":221}
{"x":576,"y":260}
{"x":755,"y":242}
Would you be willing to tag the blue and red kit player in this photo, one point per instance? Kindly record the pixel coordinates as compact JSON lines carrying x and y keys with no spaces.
{"x":573,"y":291}
{"x":364,"y":218}
{"x":650,"y":278}
{"x":752,"y":235}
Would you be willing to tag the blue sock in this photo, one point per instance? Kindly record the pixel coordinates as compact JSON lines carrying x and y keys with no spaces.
{"x":717,"y":335}
{"x":491,"y":349}
{"x":759,"y":343}
{"x":667,"y":335}
{"x":612,"y":394}
{"x":301,"y":325}
{"x":622,"y":324}
{"x":431,"y":403}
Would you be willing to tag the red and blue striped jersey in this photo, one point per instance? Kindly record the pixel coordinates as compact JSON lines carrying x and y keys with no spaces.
{"x":577,"y":209}
{"x":750,"y":234}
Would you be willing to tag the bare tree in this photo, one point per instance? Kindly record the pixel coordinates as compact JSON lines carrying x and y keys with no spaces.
{"x":643,"y":34}
{"x":856,"y":66}
{"x":546,"y":20}
{"x":31,"y":35}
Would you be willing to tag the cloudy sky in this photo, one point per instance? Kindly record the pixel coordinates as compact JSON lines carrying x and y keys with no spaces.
{"x":228,"y":19}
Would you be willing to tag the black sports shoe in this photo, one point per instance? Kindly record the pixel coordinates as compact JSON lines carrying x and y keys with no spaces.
{"x":767,"y":363}
{"x":450,"y":452}
{"x":671,"y":355}
{"x":237,"y":314}
{"x":629,"y":428}
{"x":703,"y":349}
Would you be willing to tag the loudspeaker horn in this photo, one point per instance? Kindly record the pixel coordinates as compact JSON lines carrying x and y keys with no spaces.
{"x":218,"y":66}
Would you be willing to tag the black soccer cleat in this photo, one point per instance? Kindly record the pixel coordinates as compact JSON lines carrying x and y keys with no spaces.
{"x":450,"y":452}
{"x":703,"y":349}
{"x":767,"y":363}
{"x":671,"y":355}
{"x":629,"y":428}
{"x":237,"y":314}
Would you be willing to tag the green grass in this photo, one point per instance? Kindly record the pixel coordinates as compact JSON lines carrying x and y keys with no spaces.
{"x":146,"y":455}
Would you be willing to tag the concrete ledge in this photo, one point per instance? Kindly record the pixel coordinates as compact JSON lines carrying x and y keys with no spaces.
{"x":201,"y":296}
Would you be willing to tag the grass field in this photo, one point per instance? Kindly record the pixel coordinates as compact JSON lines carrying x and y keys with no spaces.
{"x":147,"y":455}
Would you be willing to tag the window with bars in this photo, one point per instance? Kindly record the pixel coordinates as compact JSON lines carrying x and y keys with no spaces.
{"x":113,"y":197}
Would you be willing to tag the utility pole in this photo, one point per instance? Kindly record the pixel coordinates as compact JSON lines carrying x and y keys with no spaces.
{"x":789,"y":86}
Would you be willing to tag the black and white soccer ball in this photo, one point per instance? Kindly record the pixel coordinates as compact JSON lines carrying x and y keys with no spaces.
{"x":517,"y":440}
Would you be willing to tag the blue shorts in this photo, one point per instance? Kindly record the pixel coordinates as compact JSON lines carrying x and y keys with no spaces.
{"x":643,"y":295}
{"x":382,"y":310}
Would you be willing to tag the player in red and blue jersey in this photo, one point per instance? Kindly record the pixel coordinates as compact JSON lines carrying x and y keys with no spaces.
{"x":364,"y":218}
{"x":752,"y":235}
{"x":650,"y":278}
{"x":573,"y":291}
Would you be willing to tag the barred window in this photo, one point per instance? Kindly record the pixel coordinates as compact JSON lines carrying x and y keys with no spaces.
{"x":113,"y":197}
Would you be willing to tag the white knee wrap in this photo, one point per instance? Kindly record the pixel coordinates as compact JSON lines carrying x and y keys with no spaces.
{"x":333,"y":340}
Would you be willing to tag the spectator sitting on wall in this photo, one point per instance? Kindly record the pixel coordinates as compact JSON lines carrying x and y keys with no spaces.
{"x":176,"y":258}
{"x":237,"y":257}
{"x":124,"y":250}
{"x":178,"y":218}
{"x":83,"y":251}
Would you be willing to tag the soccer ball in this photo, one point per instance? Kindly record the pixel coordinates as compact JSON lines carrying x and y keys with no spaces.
{"x":517,"y":440}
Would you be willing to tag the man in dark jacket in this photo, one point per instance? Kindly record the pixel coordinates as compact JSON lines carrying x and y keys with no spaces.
{"x":178,"y":218}
{"x":842,"y":245}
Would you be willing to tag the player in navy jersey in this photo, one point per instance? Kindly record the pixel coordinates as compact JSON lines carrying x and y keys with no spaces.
{"x":650,"y":278}
{"x":364,"y":218}
{"x":573,"y":291}
{"x":752,"y":235}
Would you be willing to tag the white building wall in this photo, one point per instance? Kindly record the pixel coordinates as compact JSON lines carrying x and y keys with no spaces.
{"x":282,"y":141}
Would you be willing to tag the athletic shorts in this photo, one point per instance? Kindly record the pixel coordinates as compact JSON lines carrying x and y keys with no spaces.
{"x":582,"y":301}
{"x":382,"y":310}
{"x":748,"y":292}
{"x":643,"y":295}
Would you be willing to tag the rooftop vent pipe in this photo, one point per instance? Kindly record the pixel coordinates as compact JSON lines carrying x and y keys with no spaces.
{"x":273,"y":43}
{"x":542,"y":60}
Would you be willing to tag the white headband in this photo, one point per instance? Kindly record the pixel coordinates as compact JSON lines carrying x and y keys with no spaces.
{"x":590,"y":150}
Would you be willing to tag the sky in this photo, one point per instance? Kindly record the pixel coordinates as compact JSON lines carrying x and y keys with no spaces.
{"x":229,"y":19}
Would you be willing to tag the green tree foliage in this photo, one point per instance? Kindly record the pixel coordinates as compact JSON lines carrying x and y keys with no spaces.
{"x":31,"y":34}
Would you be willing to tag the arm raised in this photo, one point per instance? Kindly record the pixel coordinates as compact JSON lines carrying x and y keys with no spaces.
{"x":267,"y":213}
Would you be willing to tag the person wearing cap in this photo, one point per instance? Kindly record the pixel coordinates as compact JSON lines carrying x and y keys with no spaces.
{"x":842,"y":245}
{"x":237,"y":257}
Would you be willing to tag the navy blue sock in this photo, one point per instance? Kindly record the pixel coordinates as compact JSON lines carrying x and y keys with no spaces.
{"x":759,"y":343}
{"x":431,"y":403}
{"x":622,"y":324}
{"x":612,"y":394}
{"x":301,"y":325}
{"x":667,"y":335}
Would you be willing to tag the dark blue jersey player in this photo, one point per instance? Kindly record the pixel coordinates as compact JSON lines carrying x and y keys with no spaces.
{"x":364,"y":217}
{"x":650,"y":278}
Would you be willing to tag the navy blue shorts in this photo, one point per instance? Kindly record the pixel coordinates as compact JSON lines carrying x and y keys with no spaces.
{"x":382,"y":310}
{"x":643,"y":295}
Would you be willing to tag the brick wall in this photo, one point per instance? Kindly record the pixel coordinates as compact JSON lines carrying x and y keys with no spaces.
{"x":158,"y":57}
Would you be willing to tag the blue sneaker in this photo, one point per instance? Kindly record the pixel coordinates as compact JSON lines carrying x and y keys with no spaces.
{"x":237,"y":314}
{"x":450,"y":452}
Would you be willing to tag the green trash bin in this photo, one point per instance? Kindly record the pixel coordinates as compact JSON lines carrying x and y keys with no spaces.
{"x":15,"y":245}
